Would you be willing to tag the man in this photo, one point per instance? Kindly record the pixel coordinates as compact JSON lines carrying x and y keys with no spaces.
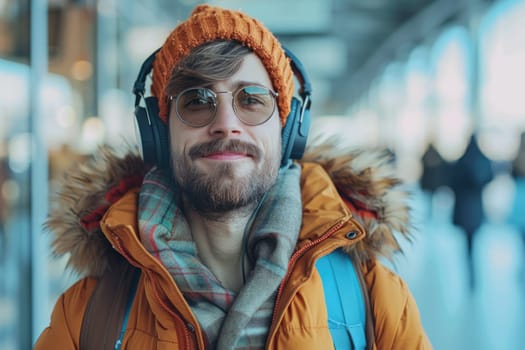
{"x":468,"y":177}
{"x":226,"y":240}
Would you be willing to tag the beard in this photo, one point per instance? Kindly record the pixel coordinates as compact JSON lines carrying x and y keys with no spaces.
{"x":221,"y":191}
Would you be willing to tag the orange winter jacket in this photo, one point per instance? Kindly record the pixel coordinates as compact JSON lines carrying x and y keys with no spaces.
{"x":345,"y":211}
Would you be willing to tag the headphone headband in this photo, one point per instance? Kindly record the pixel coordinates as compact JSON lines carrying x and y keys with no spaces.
{"x":300,"y":73}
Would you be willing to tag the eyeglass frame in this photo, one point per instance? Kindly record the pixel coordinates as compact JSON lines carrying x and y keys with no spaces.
{"x":176,"y":97}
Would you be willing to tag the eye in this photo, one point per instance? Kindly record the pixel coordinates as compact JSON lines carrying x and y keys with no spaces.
{"x":253,"y":97}
{"x":196,"y":99}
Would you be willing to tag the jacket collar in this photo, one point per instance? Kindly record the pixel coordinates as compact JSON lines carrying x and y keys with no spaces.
{"x":338,"y":185}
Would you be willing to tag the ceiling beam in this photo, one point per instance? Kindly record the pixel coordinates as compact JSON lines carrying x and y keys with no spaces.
{"x":410,"y":33}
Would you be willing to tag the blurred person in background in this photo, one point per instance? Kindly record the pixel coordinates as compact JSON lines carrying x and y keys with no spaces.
{"x":436,"y":170}
{"x":468,"y":177}
{"x":435,"y":175}
{"x":222,"y":245}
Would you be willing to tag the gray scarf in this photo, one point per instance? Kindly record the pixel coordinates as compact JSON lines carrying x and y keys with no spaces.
{"x":230,"y":320}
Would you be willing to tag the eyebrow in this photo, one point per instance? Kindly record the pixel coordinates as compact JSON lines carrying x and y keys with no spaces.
{"x":239,"y":83}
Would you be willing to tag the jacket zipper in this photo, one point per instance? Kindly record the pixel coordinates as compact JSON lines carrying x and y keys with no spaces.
{"x":187,"y":332}
{"x":294,"y":258}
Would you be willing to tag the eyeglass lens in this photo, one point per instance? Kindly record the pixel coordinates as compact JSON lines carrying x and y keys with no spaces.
{"x":253,"y":105}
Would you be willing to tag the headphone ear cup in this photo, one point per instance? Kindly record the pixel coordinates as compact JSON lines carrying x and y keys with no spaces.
{"x":144,"y":135}
{"x":153,"y":134}
{"x":300,"y":136}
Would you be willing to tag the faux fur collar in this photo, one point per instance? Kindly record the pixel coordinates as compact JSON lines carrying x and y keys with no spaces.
{"x":365,"y":180}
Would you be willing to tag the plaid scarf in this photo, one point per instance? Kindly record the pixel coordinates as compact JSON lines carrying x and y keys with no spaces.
{"x":229,"y":320}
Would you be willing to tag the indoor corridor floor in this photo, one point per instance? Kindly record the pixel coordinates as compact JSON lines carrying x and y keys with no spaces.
{"x":456,"y":317}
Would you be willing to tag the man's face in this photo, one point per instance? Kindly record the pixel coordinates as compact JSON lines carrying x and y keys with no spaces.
{"x":227,"y":165}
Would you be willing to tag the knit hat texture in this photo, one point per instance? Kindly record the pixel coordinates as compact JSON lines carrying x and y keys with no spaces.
{"x":208,"y":23}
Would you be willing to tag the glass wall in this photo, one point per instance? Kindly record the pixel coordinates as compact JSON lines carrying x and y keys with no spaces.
{"x":15,"y":184}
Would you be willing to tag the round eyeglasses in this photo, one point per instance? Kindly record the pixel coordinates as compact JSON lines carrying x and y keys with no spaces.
{"x":252,"y":104}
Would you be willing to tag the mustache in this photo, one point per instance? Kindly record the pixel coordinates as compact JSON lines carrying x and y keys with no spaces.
{"x":219,"y":145}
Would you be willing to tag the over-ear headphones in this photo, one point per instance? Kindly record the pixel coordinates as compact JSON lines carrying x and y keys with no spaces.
{"x":153,"y":133}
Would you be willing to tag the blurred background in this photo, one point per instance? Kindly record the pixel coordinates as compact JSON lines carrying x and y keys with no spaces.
{"x":438,"y":83}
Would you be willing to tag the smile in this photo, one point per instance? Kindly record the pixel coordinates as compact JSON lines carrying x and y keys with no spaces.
{"x":227,"y":156}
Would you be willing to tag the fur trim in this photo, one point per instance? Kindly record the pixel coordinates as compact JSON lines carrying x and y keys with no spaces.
{"x":87,"y":190}
{"x":366,"y":180}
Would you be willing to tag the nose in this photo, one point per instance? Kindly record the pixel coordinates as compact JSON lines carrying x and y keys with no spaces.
{"x":225,"y":122}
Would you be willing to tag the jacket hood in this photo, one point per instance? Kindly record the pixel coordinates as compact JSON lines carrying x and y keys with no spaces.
{"x":365,"y":180}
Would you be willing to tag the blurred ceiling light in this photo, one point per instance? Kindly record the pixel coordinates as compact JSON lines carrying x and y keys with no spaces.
{"x":93,"y":131}
{"x":502,"y":71}
{"x":451,"y":60}
{"x":65,"y":117}
{"x":81,"y":70}
{"x":19,"y":152}
{"x":417,"y":76}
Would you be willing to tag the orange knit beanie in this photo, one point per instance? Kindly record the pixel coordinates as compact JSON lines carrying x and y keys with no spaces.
{"x":208,"y":23}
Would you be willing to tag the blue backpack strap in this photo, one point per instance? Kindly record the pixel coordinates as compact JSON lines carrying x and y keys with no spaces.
{"x":344,"y":301}
{"x":129,"y":302}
